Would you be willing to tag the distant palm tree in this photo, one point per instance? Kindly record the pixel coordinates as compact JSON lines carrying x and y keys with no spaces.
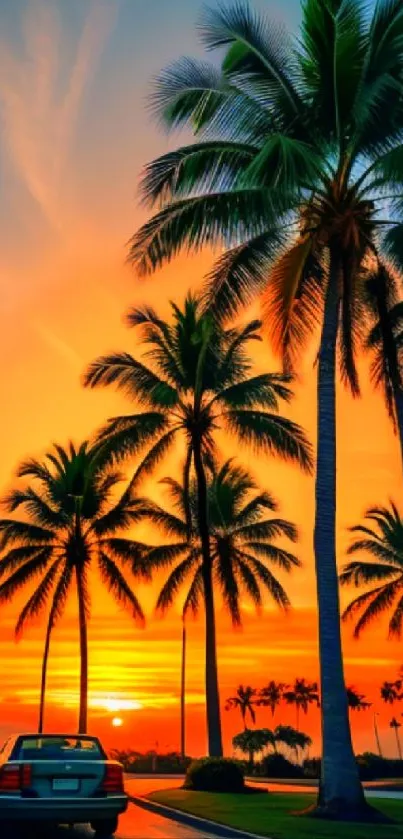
{"x":294,"y":174}
{"x":199,"y":380}
{"x":391,"y":691}
{"x":396,"y":725}
{"x":244,"y":699}
{"x":271,"y":695}
{"x":292,"y":738}
{"x":302,"y":695}
{"x":356,"y":701}
{"x":241,"y":543}
{"x":251,"y":742}
{"x":382,"y":539}
{"x":71,"y":525}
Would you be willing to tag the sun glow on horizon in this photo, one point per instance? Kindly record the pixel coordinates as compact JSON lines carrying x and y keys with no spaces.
{"x":115,"y":704}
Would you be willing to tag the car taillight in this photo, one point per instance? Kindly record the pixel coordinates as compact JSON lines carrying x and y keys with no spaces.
{"x":15,"y":778}
{"x":113,"y":778}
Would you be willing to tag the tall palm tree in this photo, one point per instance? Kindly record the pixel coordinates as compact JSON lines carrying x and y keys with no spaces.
{"x":297,"y":156}
{"x":271,"y":695}
{"x":241,"y":544}
{"x":391,"y":691}
{"x":302,"y":695}
{"x":245,"y":700}
{"x":356,"y":701}
{"x":199,"y":380}
{"x":382,"y":540}
{"x":73,"y":521}
{"x":396,"y":725}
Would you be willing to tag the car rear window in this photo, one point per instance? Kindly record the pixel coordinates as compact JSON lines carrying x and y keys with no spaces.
{"x":58,"y":748}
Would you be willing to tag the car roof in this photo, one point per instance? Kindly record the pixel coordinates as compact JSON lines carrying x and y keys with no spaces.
{"x":36,"y":735}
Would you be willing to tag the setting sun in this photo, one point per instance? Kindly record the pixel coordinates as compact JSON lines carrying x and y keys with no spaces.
{"x":117,"y":722}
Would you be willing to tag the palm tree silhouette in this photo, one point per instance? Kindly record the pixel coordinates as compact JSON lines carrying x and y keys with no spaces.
{"x":302,"y":695}
{"x":199,"y":380}
{"x":72,"y":524}
{"x":251,"y":742}
{"x":241,"y":543}
{"x":294,"y":158}
{"x":271,"y":695}
{"x":382,"y":539}
{"x":244,"y":699}
{"x":391,"y":691}
{"x":396,"y":725}
{"x":356,"y":701}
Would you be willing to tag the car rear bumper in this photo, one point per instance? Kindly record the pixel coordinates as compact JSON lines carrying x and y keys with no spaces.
{"x":61,"y":810}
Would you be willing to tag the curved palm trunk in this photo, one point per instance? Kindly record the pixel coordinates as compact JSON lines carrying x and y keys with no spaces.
{"x":378,"y":742}
{"x":183,"y":691}
{"x":340,"y":791}
{"x":82,"y":618}
{"x":44,"y":675}
{"x":212,"y":692}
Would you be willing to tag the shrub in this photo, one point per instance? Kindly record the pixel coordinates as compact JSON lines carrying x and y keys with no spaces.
{"x":215,"y":774}
{"x":277,"y":766}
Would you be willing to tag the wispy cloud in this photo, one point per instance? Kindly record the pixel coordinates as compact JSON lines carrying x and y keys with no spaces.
{"x":41,"y":93}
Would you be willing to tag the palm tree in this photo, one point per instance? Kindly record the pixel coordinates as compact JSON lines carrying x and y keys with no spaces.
{"x":271,"y":695}
{"x":391,"y":691}
{"x":297,"y":153}
{"x":199,"y":380}
{"x":244,"y":699}
{"x":356,"y":701}
{"x":252,"y":742}
{"x":71,"y":524}
{"x":302,"y":695}
{"x":241,"y":536}
{"x":382,"y":539}
{"x":292,"y":738}
{"x":396,"y":725}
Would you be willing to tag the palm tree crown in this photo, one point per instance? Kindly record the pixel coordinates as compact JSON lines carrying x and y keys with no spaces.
{"x":391,"y":691}
{"x":382,"y":540}
{"x":199,"y":379}
{"x":356,"y":701}
{"x":295,"y":148}
{"x":241,"y":538}
{"x":244,"y":699}
{"x":302,"y":695}
{"x":71,"y":523}
{"x":272,"y":694}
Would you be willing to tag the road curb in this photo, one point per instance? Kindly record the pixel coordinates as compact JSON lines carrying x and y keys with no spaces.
{"x":190,"y":820}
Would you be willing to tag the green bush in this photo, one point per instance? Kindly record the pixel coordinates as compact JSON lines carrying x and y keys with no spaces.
{"x":215,"y":774}
{"x":277,"y":766}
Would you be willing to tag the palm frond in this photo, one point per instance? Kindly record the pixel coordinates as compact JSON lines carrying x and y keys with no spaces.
{"x":24,"y":574}
{"x":271,"y":433}
{"x":211,"y":166}
{"x":118,"y":586}
{"x":376,"y":603}
{"x":126,"y":436}
{"x":135,"y":380}
{"x":23,"y":532}
{"x":268,"y":529}
{"x":361,"y":573}
{"x":267,"y":579}
{"x":264,"y":390}
{"x":169,"y":523}
{"x":188,"y":93}
{"x":216,"y":219}
{"x":39,"y":598}
{"x":175,"y":581}
{"x":194,"y":595}
{"x":278,"y":556}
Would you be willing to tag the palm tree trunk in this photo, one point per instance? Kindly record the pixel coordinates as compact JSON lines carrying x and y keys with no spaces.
{"x":340,"y":791}
{"x":378,"y":742}
{"x":44,"y":675}
{"x":212,"y":692}
{"x":183,"y":689}
{"x":82,"y":619}
{"x":399,"y":748}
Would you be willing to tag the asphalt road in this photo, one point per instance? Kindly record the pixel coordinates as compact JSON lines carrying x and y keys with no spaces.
{"x":136,"y":823}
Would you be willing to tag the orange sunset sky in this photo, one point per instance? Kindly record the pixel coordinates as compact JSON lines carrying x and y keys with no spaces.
{"x":75,"y":133}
